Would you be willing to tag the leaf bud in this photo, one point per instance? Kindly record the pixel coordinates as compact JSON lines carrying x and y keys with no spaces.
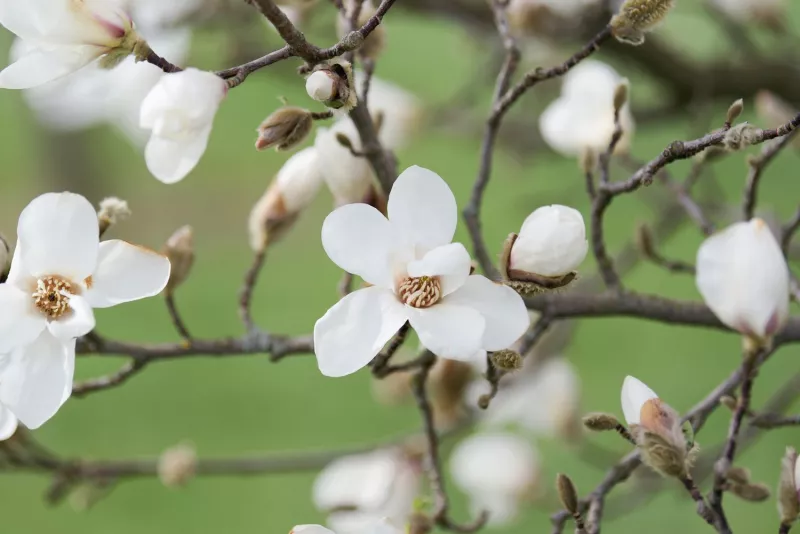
{"x":284,"y":129}
{"x":734,"y":111}
{"x":112,"y":210}
{"x":567,"y":493}
{"x":751,"y":492}
{"x":179,"y":250}
{"x":600,"y":422}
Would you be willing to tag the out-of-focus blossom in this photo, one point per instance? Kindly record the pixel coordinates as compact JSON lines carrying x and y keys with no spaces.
{"x":358,"y":491}
{"x":397,"y":111}
{"x":180,"y":113}
{"x":383,"y":526}
{"x":583,"y":117}
{"x":417,"y":275}
{"x":744,"y":279}
{"x":349,"y":178}
{"x":768,"y":12}
{"x":497,"y":471}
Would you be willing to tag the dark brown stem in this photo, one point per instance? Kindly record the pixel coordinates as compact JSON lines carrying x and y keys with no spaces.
{"x":380,"y":363}
{"x":757,"y":167}
{"x":788,"y":231}
{"x":702,"y":507}
{"x":246,"y":294}
{"x":175,"y":315}
{"x":161,"y":63}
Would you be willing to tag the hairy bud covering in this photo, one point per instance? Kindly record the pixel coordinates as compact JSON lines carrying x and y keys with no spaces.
{"x":636,"y":17}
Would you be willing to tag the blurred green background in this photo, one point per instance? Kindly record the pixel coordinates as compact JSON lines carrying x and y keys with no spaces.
{"x":246,"y":405}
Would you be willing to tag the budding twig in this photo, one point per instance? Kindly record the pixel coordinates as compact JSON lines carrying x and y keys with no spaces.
{"x":177,"y":320}
{"x":757,"y":167}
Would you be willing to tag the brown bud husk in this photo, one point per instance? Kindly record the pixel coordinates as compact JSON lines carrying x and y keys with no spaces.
{"x":179,"y":249}
{"x":636,"y":17}
{"x":507,"y":360}
{"x":788,"y":499}
{"x":661,"y":440}
{"x":600,"y":422}
{"x":177,"y":466}
{"x":112,"y":210}
{"x":284,"y":129}
{"x":750,"y":492}
{"x":526,"y":283}
{"x":740,"y":136}
{"x":567,"y":493}
{"x":344,"y":94}
{"x":269,"y":219}
{"x":734,"y":111}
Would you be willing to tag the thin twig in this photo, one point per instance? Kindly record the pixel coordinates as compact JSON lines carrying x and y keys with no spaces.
{"x":246,"y":293}
{"x":175,"y":315}
{"x":702,"y":507}
{"x":757,"y":167}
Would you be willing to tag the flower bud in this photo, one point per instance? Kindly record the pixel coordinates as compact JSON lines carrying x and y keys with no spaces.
{"x":636,"y":17}
{"x":750,"y":492}
{"x":507,"y":360}
{"x":112,"y":210}
{"x":734,"y":111}
{"x":743,"y":277}
{"x":600,"y":422}
{"x":177,"y":466}
{"x":550,"y":246}
{"x":740,"y":136}
{"x":789,"y":487}
{"x":5,"y":258}
{"x":567,"y":493}
{"x":656,"y":428}
{"x":284,"y":129}
{"x":179,"y":250}
{"x":293,"y":189}
{"x":738,"y":475}
{"x":333,"y":85}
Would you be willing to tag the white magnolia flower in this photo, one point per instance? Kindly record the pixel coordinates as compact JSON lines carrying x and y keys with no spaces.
{"x":583,"y":117}
{"x":399,"y":111}
{"x":358,"y":491}
{"x":8,"y":423}
{"x":180,"y":111}
{"x":63,"y":36}
{"x":544,"y":402}
{"x":634,"y":396}
{"x":383,"y":526}
{"x":161,"y":14}
{"x":497,"y":472}
{"x":60,"y":272}
{"x":321,"y":85}
{"x":745,"y":11}
{"x":552,"y":242}
{"x":744,"y":279}
{"x":417,"y":275}
{"x":350,"y":178}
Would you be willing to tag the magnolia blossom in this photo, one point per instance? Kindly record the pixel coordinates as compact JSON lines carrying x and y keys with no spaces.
{"x":61,"y":271}
{"x":416,"y":275}
{"x":349,"y":178}
{"x":744,"y":279}
{"x":551,"y":243}
{"x":544,"y":402}
{"x":180,"y":111}
{"x":8,"y":423}
{"x":63,"y":36}
{"x":583,"y":117}
{"x":745,"y":11}
{"x":497,"y":472}
{"x":383,"y":526}
{"x":399,"y":111}
{"x":358,"y":491}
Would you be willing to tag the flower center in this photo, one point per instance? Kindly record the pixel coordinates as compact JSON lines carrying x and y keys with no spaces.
{"x":52,"y":296}
{"x":422,"y":292}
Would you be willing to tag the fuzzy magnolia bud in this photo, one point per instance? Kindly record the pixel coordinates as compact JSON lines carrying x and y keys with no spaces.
{"x":5,"y":258}
{"x":550,"y":246}
{"x":656,"y":429}
{"x":177,"y":466}
{"x":743,"y":277}
{"x":600,"y":422}
{"x":507,"y":360}
{"x":284,"y":129}
{"x":112,"y":210}
{"x":789,"y":488}
{"x":738,"y":475}
{"x":293,"y":189}
{"x":179,"y":249}
{"x":636,"y":17}
{"x":750,"y":492}
{"x":567,"y":493}
{"x":734,"y":111}
{"x":621,"y":94}
{"x":740,"y":136}
{"x":333,"y":85}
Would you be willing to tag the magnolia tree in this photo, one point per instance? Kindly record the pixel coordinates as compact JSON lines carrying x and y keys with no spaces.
{"x":479,"y":365}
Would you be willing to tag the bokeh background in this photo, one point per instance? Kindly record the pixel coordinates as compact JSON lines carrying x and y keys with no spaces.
{"x":247,"y":405}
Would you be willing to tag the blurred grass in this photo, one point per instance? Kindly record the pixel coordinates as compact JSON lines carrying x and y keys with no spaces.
{"x":242,"y":405}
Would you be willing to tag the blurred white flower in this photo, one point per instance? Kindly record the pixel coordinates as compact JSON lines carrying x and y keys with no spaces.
{"x":180,"y":111}
{"x":8,"y":423}
{"x":63,"y":36}
{"x":349,"y":178}
{"x":583,"y":117}
{"x":552,"y":242}
{"x":560,"y":8}
{"x":383,"y":526}
{"x":293,"y":190}
{"x":417,"y":275}
{"x":743,"y":277}
{"x":399,"y":110}
{"x":544,"y":402}
{"x":497,"y":471}
{"x":357,"y":492}
{"x":746,"y":11}
{"x":61,"y":271}
{"x":161,"y":14}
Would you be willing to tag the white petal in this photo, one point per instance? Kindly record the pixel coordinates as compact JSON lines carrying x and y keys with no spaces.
{"x":451,"y":263}
{"x":501,"y":307}
{"x":634,"y":395}
{"x":355,"y":329}
{"x":59,"y":235}
{"x":797,"y":475}
{"x":552,"y":242}
{"x":349,"y":178}
{"x":363,"y":481}
{"x":34,"y":382}
{"x":502,"y":509}
{"x":170,"y":160}
{"x":42,"y":65}
{"x":385,"y":526}
{"x":423,"y":207}
{"x":20,"y":321}
{"x":310,"y":529}
{"x":360,"y":240}
{"x":744,"y":279}
{"x":125,"y":273}
{"x":8,"y":423}
{"x":79,"y":322}
{"x":449,"y":331}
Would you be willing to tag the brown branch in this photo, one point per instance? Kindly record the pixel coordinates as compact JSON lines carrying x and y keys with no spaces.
{"x":757,"y":167}
{"x":772,"y":420}
{"x":81,"y":389}
{"x":380,"y":363}
{"x":788,"y":231}
{"x":702,"y":507}
{"x":160,"y":62}
{"x":175,"y":315}
{"x":246,"y":293}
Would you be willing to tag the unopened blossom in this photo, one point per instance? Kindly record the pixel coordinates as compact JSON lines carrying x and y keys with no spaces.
{"x":292,"y":190}
{"x":497,"y":471}
{"x":180,"y":112}
{"x":360,"y":490}
{"x":417,"y":275}
{"x":743,"y":277}
{"x":333,"y":85}
{"x":582,"y":118}
{"x":656,"y":428}
{"x":789,"y":487}
{"x":349,"y":177}
{"x":551,"y":244}
{"x":63,"y":36}
{"x":59,"y":273}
